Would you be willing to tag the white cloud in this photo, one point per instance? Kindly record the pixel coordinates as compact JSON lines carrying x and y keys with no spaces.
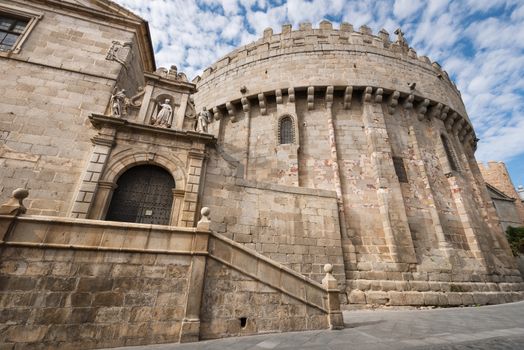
{"x":479,"y":42}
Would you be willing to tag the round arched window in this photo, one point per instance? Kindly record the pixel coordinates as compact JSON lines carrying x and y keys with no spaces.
{"x":286,"y":131}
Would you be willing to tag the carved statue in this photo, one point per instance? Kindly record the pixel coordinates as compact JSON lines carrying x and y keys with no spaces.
{"x":204,"y":118}
{"x":118,"y":103}
{"x":164,"y":115}
{"x":117,"y":53}
{"x":400,"y":38}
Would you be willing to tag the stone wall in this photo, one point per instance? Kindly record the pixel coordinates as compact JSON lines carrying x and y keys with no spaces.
{"x":235,"y":305}
{"x":49,"y":88}
{"x":496,"y":174}
{"x":297,"y":227}
{"x":75,"y":299}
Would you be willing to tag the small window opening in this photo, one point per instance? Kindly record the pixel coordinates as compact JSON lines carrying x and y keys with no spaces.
{"x":286,"y":135}
{"x":243,"y":322}
{"x":402,"y":175}
{"x":10,"y":30}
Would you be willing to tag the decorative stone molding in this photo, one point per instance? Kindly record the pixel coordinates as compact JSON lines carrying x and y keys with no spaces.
{"x":393,"y":102}
{"x":291,"y":95}
{"x":408,"y":102}
{"x":217,"y":114}
{"x":378,"y":95}
{"x":348,"y":95}
{"x":310,"y":97}
{"x":329,"y":96}
{"x":119,"y":52}
{"x":231,"y":112}
{"x":245,"y":106}
{"x":278,"y":96}
{"x":366,"y":96}
{"x":262,"y":103}
{"x":422,"y":108}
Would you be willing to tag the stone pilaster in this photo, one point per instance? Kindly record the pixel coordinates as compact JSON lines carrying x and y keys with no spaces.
{"x":389,"y":195}
{"x":103,"y":143}
{"x":196,"y":158}
{"x":190,"y":328}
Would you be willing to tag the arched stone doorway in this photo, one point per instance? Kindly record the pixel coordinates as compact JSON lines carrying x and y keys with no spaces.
{"x":144,"y":194}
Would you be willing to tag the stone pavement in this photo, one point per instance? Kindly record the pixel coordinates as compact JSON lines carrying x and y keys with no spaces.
{"x":487,"y":327}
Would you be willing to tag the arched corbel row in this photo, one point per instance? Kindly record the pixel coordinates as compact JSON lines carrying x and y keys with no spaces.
{"x":424,"y":108}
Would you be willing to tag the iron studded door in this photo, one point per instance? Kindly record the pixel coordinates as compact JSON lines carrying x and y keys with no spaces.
{"x":144,"y":195}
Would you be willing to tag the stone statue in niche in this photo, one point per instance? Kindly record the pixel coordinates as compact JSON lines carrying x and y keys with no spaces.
{"x":164,"y":116}
{"x":204,"y":118}
{"x":118,"y":102}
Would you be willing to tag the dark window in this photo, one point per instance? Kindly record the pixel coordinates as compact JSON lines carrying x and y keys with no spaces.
{"x":144,"y":194}
{"x":398,"y":162}
{"x":450,"y":154}
{"x":286,"y":132}
{"x":10,"y":30}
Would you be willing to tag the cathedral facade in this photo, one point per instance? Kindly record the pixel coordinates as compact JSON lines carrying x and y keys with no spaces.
{"x":313,"y":168}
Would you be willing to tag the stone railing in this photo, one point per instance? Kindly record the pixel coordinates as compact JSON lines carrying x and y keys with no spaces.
{"x":100,"y":273}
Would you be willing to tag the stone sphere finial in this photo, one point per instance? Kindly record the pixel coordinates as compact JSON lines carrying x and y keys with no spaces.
{"x":328,"y":268}
{"x":15,"y":204}
{"x":20,"y":193}
{"x":205,"y":212}
{"x":205,"y":221}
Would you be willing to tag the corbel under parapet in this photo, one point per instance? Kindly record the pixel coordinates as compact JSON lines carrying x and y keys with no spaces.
{"x":366,"y":96}
{"x":408,"y":102}
{"x":435,"y":111}
{"x":329,"y":96}
{"x":310,"y":97}
{"x":348,"y":95}
{"x":245,"y":106}
{"x":278,"y":96}
{"x":422,"y":108}
{"x":379,"y":95}
{"x":450,"y":120}
{"x":262,"y":103}
{"x":444,"y":113}
{"x":217,"y":114}
{"x":291,"y":94}
{"x":231,"y":112}
{"x":393,"y":102}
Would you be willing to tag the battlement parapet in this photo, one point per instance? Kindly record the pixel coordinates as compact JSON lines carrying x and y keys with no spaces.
{"x":324,"y":38}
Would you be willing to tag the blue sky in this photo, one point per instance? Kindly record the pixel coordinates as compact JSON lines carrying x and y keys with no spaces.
{"x":480,"y":43}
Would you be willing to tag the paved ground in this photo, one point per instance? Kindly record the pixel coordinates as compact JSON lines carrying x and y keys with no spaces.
{"x":494,"y":327}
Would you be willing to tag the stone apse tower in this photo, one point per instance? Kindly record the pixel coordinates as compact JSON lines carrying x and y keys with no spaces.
{"x":341,"y":146}
{"x":337,"y":167}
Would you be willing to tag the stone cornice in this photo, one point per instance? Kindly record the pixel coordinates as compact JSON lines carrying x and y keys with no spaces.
{"x":176,"y":85}
{"x":461,"y":123}
{"x":100,"y":121}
